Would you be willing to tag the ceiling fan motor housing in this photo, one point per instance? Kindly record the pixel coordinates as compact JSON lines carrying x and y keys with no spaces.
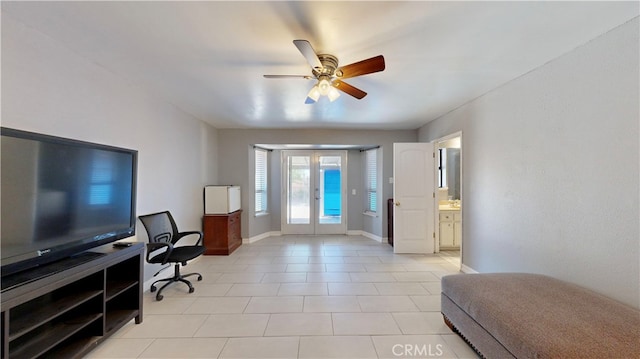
{"x":329,"y":66}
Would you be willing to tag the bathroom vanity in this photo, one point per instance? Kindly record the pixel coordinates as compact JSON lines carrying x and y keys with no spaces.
{"x":450,"y":227}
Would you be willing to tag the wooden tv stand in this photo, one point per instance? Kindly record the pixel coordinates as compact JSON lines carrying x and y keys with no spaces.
{"x":68,"y":311}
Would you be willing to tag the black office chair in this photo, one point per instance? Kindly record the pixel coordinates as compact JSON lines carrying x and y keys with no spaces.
{"x":163,"y":235}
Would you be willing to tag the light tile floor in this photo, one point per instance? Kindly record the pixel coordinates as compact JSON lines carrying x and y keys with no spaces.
{"x":299,"y":297}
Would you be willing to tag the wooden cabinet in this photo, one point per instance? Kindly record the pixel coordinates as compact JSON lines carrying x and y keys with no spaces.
{"x":66,"y":308}
{"x":222,"y":233}
{"x":450,"y":229}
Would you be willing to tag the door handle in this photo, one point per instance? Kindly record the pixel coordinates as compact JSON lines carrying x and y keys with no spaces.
{"x":397,"y":204}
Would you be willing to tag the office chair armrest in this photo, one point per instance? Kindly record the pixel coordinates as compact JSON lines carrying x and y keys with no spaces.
{"x":152,"y":247}
{"x":180,"y":235}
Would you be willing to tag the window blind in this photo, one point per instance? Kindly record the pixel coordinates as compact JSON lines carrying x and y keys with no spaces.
{"x":371,"y":173}
{"x":261,"y":181}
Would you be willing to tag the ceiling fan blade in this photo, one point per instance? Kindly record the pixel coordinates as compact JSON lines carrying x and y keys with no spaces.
{"x":309,"y":53}
{"x":306,"y":77}
{"x":348,"y":89}
{"x":368,"y":66}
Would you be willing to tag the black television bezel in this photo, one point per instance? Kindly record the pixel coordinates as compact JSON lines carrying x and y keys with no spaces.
{"x":22,"y":262}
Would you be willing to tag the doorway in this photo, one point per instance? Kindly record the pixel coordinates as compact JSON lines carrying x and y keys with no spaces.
{"x":449,"y":196}
{"x":314,"y":192}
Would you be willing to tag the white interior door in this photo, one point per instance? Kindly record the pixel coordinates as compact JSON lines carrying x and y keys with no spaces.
{"x":314,"y":192}
{"x":413,"y":195}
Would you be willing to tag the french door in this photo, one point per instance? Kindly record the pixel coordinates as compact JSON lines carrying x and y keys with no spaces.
{"x":314,"y":189}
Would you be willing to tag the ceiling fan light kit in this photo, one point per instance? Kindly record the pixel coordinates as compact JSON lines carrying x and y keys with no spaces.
{"x":322,"y":89}
{"x":333,"y":94}
{"x":314,"y":93}
{"x":324,"y":68}
{"x":324,"y":85}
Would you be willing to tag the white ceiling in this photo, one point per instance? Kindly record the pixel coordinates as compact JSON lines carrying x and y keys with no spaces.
{"x":208,"y":58}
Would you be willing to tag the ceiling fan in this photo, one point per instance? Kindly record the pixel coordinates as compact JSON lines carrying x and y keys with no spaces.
{"x":325,"y":69}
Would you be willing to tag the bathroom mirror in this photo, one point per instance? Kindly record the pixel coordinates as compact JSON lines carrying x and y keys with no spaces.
{"x":449,"y":167}
{"x":453,"y":172}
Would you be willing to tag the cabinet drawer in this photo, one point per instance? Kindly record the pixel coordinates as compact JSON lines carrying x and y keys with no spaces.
{"x":457,"y":217}
{"x":234,"y":225}
{"x":446,"y":217}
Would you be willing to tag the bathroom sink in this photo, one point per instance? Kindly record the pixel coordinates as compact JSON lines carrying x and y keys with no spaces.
{"x":448,"y":208}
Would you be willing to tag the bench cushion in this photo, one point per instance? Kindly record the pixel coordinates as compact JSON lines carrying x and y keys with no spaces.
{"x":536,"y":316}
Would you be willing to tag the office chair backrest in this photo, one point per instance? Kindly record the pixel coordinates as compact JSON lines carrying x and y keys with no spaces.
{"x":160,"y":227}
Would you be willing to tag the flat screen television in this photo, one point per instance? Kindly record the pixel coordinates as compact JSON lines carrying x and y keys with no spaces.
{"x":60,"y":197}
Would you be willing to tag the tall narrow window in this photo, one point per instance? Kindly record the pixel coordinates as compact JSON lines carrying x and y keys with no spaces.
{"x":371,"y":173}
{"x":261,"y":180}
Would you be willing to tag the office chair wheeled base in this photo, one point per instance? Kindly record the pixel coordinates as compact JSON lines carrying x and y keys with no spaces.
{"x":177,"y":277}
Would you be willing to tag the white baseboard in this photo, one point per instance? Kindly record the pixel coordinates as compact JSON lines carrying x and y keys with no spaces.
{"x":278,"y":233}
{"x":468,"y":270}
{"x":365,"y":234}
{"x":372,"y":236}
{"x":261,"y":236}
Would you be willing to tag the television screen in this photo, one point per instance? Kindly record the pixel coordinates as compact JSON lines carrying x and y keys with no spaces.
{"x":61,"y":196}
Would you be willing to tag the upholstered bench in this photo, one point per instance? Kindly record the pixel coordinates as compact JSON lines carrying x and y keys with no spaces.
{"x":507,"y":315}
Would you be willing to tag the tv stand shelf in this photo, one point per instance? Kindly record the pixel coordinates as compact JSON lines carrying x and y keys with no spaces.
{"x":66,"y":313}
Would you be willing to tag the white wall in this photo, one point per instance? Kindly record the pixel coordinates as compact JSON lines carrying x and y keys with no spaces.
{"x":551,"y":169}
{"x":48,"y":88}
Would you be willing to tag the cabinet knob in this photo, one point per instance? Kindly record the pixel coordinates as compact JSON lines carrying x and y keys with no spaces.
{"x":397,"y":203}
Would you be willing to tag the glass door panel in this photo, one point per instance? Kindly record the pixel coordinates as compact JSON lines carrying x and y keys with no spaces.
{"x":298,"y":198}
{"x":314,"y":192}
{"x":299,"y":190}
{"x":330,"y":190}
